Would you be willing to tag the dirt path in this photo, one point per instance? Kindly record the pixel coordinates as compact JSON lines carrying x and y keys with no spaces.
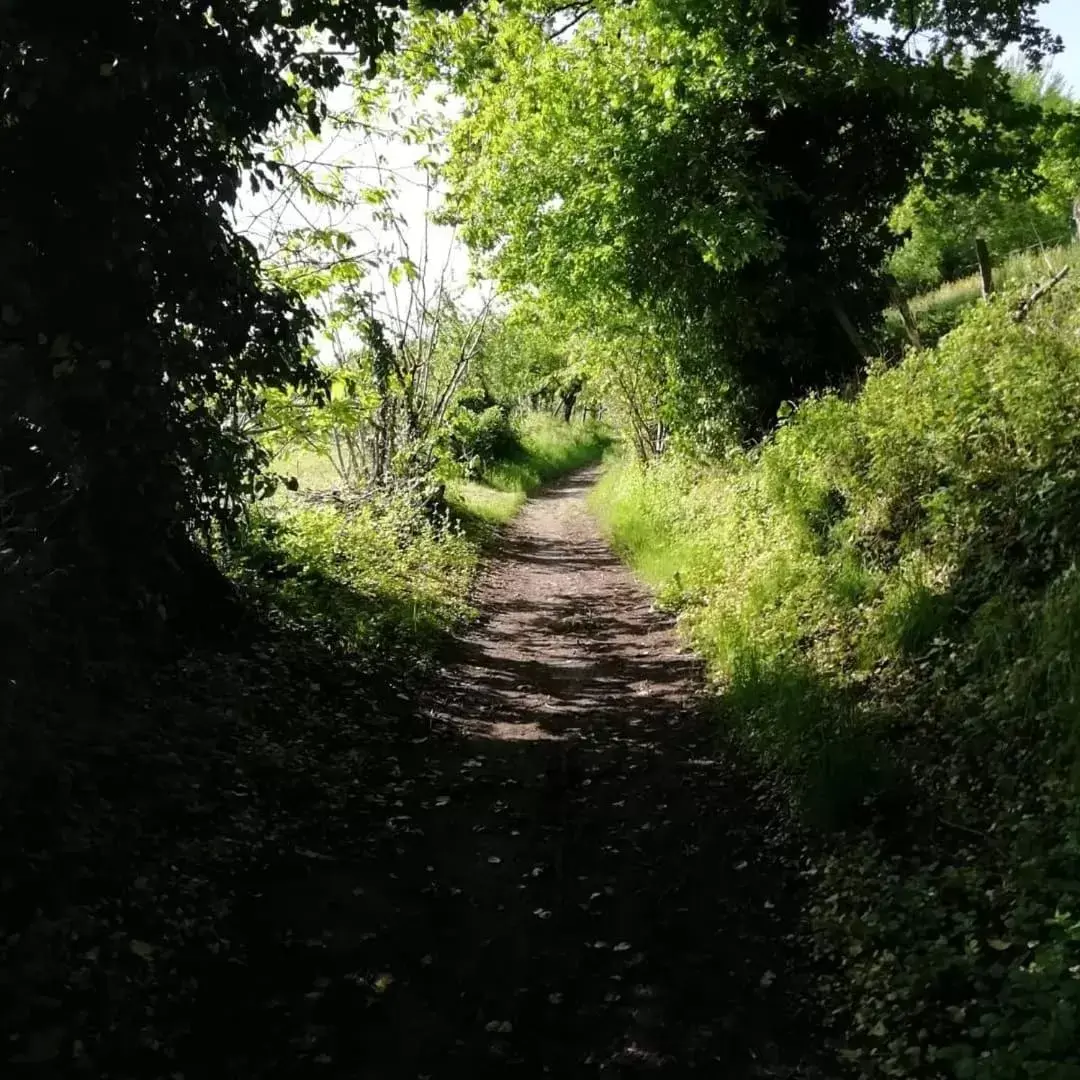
{"x":559,"y":874}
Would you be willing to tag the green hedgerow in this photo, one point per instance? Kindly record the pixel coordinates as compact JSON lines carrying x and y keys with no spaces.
{"x":886,"y":594}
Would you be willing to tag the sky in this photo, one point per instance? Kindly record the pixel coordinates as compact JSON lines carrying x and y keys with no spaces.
{"x":1063,"y":18}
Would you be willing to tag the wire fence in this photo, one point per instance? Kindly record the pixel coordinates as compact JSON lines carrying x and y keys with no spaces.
{"x":1041,"y":244}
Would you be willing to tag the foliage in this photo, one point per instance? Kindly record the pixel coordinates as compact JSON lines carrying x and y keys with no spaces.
{"x":372,"y":576}
{"x":942,"y":231}
{"x":1016,"y":210}
{"x":423,"y":371}
{"x":886,"y":594}
{"x":479,"y":432}
{"x":382,"y":573}
{"x":938,"y":312}
{"x":543,"y":448}
{"x":532,"y":359}
{"x":137,"y":327}
{"x":396,"y":333}
{"x":719,"y":166}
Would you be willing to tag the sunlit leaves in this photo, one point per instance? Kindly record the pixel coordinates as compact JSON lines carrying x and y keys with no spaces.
{"x":725,"y":165}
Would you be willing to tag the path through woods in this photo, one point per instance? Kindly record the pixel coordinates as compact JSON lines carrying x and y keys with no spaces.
{"x":563,"y":874}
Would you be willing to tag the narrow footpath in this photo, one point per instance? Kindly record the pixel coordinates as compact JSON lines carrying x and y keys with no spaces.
{"x":564,"y":874}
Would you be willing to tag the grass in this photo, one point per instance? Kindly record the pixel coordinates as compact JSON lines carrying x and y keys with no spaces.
{"x":370,"y":578}
{"x":939,"y":311}
{"x":312,"y":471}
{"x":381,"y":575}
{"x":545,"y":447}
{"x":887,"y":599}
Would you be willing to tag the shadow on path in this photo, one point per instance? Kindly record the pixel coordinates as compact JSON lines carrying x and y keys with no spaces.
{"x":561,"y":873}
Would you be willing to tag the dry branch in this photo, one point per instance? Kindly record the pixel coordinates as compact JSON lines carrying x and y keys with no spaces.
{"x":1025,"y":307}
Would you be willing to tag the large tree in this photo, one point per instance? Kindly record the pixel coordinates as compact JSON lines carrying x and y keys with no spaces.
{"x":726,"y":164}
{"x":135,"y":324}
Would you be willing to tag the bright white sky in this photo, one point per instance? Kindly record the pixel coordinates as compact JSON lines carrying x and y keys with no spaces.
{"x":1063,"y":18}
{"x":370,"y":160}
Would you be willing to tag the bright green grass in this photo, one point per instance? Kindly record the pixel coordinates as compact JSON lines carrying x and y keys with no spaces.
{"x":312,"y":471}
{"x":486,"y":505}
{"x":939,"y":311}
{"x":383,"y":576}
{"x":546,"y":447}
{"x":377,"y":579}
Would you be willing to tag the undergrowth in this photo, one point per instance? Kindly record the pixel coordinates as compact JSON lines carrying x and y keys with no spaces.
{"x":385,"y":573}
{"x":939,"y":311}
{"x":148,"y":800}
{"x":543,"y":447}
{"x":887,"y":596}
{"x":372,"y":576}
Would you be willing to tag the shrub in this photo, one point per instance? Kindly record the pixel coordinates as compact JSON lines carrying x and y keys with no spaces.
{"x":479,"y":432}
{"x":375,"y":576}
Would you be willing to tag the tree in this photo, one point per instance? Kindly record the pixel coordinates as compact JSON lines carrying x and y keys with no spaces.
{"x":396,"y":339}
{"x":1024,"y":207}
{"x":136,"y":326}
{"x":723,"y":166}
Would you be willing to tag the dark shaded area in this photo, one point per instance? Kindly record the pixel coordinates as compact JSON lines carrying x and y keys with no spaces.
{"x":270,"y":864}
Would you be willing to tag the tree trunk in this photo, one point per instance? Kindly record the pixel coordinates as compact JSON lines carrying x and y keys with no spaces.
{"x":986,"y":272}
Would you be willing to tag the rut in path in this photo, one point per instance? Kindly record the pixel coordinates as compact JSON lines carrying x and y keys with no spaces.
{"x":569,"y":878}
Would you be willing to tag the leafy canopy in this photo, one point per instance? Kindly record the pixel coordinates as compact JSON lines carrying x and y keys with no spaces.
{"x":137,"y":325}
{"x":729,"y":166}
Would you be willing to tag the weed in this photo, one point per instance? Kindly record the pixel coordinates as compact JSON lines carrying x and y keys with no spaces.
{"x":378,"y":573}
{"x":543,"y":448}
{"x":941,"y":310}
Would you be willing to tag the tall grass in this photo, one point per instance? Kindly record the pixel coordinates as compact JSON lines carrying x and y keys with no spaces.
{"x":887,"y":597}
{"x":373,"y":577}
{"x":939,"y":311}
{"x":382,"y":573}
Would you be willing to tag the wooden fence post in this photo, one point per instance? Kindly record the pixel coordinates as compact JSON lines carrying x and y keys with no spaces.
{"x":899,"y":301}
{"x":985,"y":270}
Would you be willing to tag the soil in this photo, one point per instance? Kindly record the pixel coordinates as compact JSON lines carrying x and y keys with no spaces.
{"x":545,"y":863}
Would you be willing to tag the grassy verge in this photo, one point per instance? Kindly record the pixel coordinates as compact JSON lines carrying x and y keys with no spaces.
{"x":888,"y":599}
{"x":545,"y":448}
{"x":381,"y":574}
{"x":941,"y":310}
{"x":372,"y":577}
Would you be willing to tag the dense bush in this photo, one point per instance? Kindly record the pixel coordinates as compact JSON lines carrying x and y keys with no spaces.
{"x":479,"y":432}
{"x":886,"y":593}
{"x":371,"y":575}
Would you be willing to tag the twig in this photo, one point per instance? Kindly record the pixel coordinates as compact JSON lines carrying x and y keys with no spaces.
{"x":1021,"y":312}
{"x":962,"y":828}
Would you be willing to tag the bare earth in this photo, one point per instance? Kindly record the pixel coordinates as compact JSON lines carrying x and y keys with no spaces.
{"x":563,"y":874}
